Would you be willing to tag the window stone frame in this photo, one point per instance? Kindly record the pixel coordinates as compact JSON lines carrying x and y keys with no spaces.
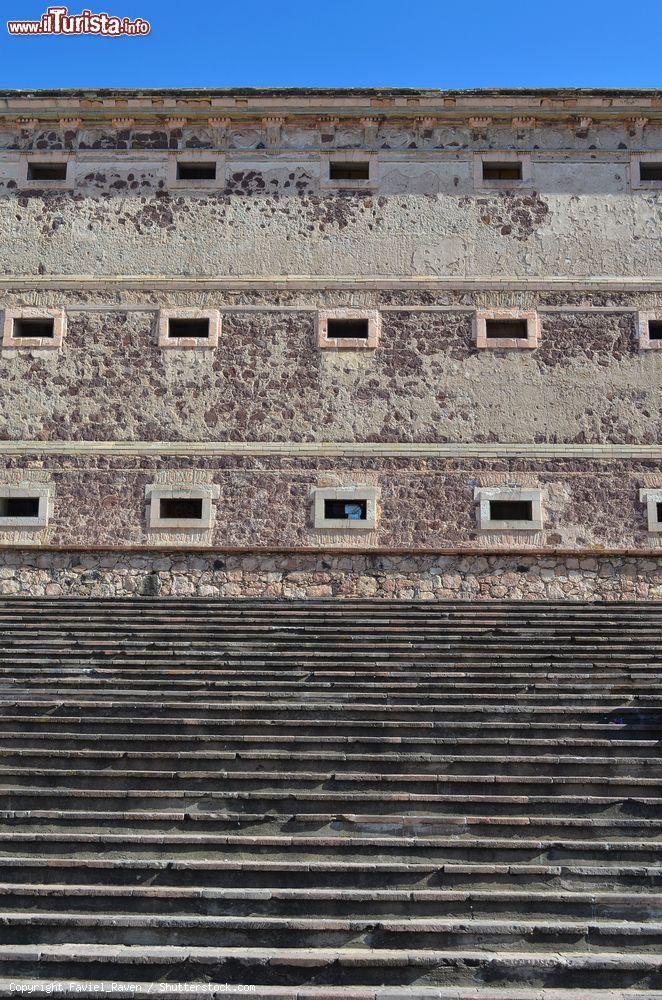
{"x":503,"y":156}
{"x":373,"y":317}
{"x":528,"y":343}
{"x":645,"y":343}
{"x":40,"y":490}
{"x":349,"y":156}
{"x":485,"y":494}
{"x":189,"y":343}
{"x":636,"y":159}
{"x":25,"y":183}
{"x":320,"y":494}
{"x":54,"y":343}
{"x":155,"y":492}
{"x":651,"y":498}
{"x":202,"y":156}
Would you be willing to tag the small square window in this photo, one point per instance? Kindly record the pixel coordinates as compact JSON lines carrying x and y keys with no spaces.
{"x":493,"y":170}
{"x":176,"y":508}
{"x":195,"y":170}
{"x":352,"y":328}
{"x":25,"y":506}
{"x":650,"y":331}
{"x":653,"y":500}
{"x":350,"y":508}
{"x":348,"y":329}
{"x":349,"y":170}
{"x":33,"y":329}
{"x":506,"y":328}
{"x":47,"y":170}
{"x":346,"y":510}
{"x":650,"y":170}
{"x":189,"y":328}
{"x":19,"y":507}
{"x":509,"y":508}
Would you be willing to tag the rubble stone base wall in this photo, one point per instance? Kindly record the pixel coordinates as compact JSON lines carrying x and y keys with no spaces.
{"x":330,"y":575}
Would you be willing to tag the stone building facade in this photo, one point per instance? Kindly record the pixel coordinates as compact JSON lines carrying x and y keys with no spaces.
{"x":403,"y":344}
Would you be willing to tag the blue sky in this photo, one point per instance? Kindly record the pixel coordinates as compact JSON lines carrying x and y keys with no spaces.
{"x":504,"y":43}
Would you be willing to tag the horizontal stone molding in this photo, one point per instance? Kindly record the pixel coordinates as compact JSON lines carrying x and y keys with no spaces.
{"x":355,"y":550}
{"x":337,"y":449}
{"x":328,"y":282}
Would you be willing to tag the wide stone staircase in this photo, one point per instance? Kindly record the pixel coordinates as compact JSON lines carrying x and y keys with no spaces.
{"x":330,"y":799}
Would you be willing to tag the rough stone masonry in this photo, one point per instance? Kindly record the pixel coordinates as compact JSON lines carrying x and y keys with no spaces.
{"x":533,"y":216}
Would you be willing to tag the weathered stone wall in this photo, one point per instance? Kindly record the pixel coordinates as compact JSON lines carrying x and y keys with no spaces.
{"x":266,"y":501}
{"x":267,"y":380}
{"x":300,"y":576}
{"x":270,"y":214}
{"x":271,"y":243}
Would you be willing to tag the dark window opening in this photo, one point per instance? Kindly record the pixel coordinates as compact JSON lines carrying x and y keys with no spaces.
{"x":181,"y":508}
{"x":346,"y":510}
{"x":650,"y":171}
{"x":194,"y":171}
{"x":19,"y":506}
{"x":493,"y":171}
{"x":37,"y":327}
{"x":47,"y":171}
{"x":347,"y":328}
{"x":507,"y":329}
{"x":188,"y":328}
{"x":351,"y":171}
{"x":658,"y":506}
{"x":655,"y":329}
{"x":511,"y":510}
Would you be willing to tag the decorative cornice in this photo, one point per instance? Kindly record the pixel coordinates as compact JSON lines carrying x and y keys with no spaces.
{"x":470,"y":108}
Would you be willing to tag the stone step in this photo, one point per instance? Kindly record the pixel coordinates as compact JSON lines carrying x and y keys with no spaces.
{"x":21,"y":765}
{"x":320,"y":847}
{"x":356,"y":966}
{"x":637,"y":725}
{"x":311,"y":901}
{"x":641,"y":710}
{"x":541,"y":935}
{"x":59,"y":743}
{"x":281,"y":690}
{"x":371,"y":803}
{"x":191,"y":785}
{"x":169,"y":870}
{"x":334,"y":824}
{"x":218,"y":991}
